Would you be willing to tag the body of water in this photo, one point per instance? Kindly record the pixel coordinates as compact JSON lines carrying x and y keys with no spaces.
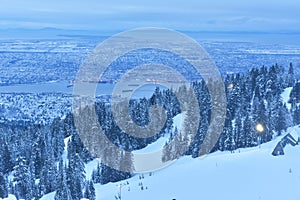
{"x":63,"y":87}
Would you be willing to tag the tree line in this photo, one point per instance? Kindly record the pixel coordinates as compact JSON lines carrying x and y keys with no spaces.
{"x":34,"y":160}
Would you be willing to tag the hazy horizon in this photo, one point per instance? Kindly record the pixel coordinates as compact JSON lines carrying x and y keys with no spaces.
{"x":117,"y":15}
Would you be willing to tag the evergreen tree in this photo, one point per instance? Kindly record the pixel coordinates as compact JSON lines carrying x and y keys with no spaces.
{"x":295,"y":93}
{"x":250,"y":139}
{"x":22,"y":179}
{"x":296,"y":115}
{"x":274,"y":102}
{"x":238,"y":131}
{"x":57,"y":137}
{"x":38,"y":156}
{"x":3,"y":185}
{"x":90,"y":191}
{"x":166,"y":153}
{"x":63,"y":192}
{"x":76,"y":176}
{"x":6,"y":156}
{"x":96,"y":174}
{"x":281,"y":124}
{"x":229,"y":143}
{"x":290,"y":80}
{"x":48,"y":176}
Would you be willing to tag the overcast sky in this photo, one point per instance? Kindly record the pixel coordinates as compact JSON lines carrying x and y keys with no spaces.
{"x":212,"y":15}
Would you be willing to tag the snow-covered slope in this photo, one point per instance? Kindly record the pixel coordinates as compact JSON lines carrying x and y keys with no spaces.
{"x":155,"y":146}
{"x":249,"y":174}
{"x":246,"y":174}
{"x":10,"y":197}
{"x":286,"y":96}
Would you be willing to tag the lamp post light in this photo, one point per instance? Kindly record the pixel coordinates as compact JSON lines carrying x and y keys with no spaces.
{"x":260,"y":128}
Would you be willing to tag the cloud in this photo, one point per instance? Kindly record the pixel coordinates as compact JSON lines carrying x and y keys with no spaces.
{"x":176,"y":14}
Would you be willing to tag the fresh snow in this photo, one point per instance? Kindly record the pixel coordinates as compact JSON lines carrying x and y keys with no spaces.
{"x":286,"y":96}
{"x":295,"y":134}
{"x":49,"y":196}
{"x":247,"y":174}
{"x":10,"y":197}
{"x":150,"y":157}
{"x":153,"y":147}
{"x":157,"y":145}
{"x":65,"y":153}
{"x":90,"y":167}
{"x":178,"y":121}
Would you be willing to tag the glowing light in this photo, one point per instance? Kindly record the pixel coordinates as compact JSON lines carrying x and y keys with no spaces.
{"x":260,"y":128}
{"x":230,"y":86}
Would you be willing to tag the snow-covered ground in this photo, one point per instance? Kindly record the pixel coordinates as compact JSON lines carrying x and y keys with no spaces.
{"x":150,"y":157}
{"x":246,"y":174}
{"x":10,"y":197}
{"x":249,"y":174}
{"x":285,"y":95}
{"x":155,"y":146}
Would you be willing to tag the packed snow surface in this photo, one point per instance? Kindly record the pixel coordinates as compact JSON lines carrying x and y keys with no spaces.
{"x":247,"y":174}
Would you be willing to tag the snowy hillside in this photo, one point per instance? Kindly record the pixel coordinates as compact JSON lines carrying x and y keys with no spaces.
{"x":58,"y":165}
{"x":247,"y":174}
{"x":177,"y":123}
{"x":286,"y":96}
